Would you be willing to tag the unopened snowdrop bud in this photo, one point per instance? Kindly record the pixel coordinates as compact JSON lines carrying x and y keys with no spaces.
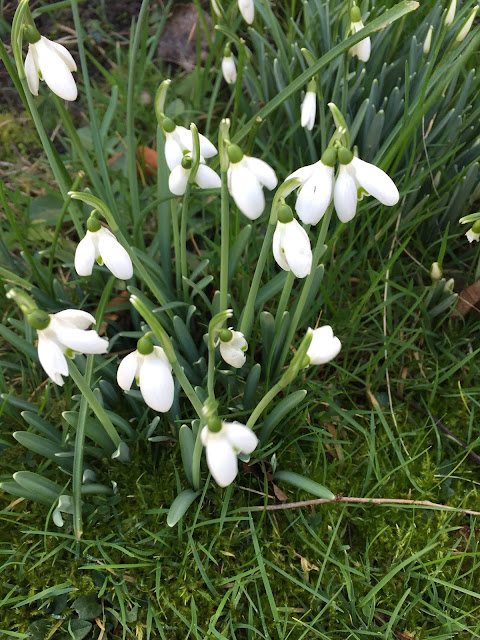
{"x":99,"y":244}
{"x":205,"y":178}
{"x":354,"y":173}
{"x":233,"y":347}
{"x":291,"y":244}
{"x":247,"y":9}
{"x":449,"y":285}
{"x":316,"y":190}
{"x":229,"y":69}
{"x":428,"y":40}
{"x":64,"y":334}
{"x":309,"y":106}
{"x":463,"y":33}
{"x":473,"y":234}
{"x":51,"y":62}
{"x":150,"y":367}
{"x":222,"y":448}
{"x":450,"y":13}
{"x":435,"y":272}
{"x":361,"y":49}
{"x":324,"y":346}
{"x":179,"y":140}
{"x":246,"y":178}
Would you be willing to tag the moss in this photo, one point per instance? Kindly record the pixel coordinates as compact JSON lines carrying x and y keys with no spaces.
{"x":18,"y":137}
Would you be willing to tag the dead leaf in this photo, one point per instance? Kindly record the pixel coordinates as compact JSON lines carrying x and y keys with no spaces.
{"x":468,"y":299}
{"x":178,"y":43}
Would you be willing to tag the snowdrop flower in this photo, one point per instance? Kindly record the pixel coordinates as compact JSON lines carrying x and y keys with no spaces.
{"x":473,"y":234}
{"x":205,"y":178}
{"x":61,"y":334}
{"x":435,"y":272}
{"x":99,"y":244}
{"x":229,"y":69}
{"x":222,"y":447}
{"x":179,"y":141}
{"x":356,"y":173}
{"x":463,"y":33}
{"x":291,"y":244}
{"x":247,"y":9}
{"x":428,"y":40}
{"x":232,"y":347}
{"x":316,"y":190}
{"x":362,"y":48}
{"x":153,"y":373}
{"x":309,"y":106}
{"x":246,"y":177}
{"x":51,"y":62}
{"x":450,"y":13}
{"x":324,"y":346}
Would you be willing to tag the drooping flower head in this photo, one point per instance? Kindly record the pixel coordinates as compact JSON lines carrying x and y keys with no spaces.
{"x":309,"y":106}
{"x":99,"y":244}
{"x":149,"y":366}
{"x":246,"y":178}
{"x":205,"y":178}
{"x":324,"y":346}
{"x":179,"y":141}
{"x":361,"y":49}
{"x":247,"y":9}
{"x":51,"y":62}
{"x":233,"y":347}
{"x":473,"y":234}
{"x":291,"y":244}
{"x":229,"y":69}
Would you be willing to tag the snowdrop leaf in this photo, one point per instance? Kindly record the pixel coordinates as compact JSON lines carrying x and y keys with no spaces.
{"x":280,"y":411}
{"x":305,"y":484}
{"x":180,"y":506}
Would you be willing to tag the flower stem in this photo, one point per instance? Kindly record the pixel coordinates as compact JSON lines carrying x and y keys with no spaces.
{"x":183,"y":239}
{"x":176,"y":243}
{"x":196,"y":457}
{"x":284,"y":298}
{"x":225,"y":242}
{"x":263,"y":404}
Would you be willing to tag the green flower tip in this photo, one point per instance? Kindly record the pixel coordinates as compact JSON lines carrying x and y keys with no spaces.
{"x":145,"y":346}
{"x":235,"y":154}
{"x":187,"y":162}
{"x":355,"y":14}
{"x":329,"y":157}
{"x":93,"y":224}
{"x":345,"y":156}
{"x":32,"y":34}
{"x":225,"y":335}
{"x":214,"y":424}
{"x":285,"y":214}
{"x":476,"y":227}
{"x":227,"y":52}
{"x":38,"y":319}
{"x":168,"y":125}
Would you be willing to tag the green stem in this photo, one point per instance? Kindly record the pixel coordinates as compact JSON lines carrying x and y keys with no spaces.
{"x":284,"y":298}
{"x":196,"y":458}
{"x":183,"y":239}
{"x":163,"y":210}
{"x":176,"y":244}
{"x":225,"y":242}
{"x":238,"y":84}
{"x":263,"y":404}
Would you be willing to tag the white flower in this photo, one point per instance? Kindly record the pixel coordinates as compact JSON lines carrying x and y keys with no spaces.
{"x":462,"y":34}
{"x":356,"y":173}
{"x":179,"y":140}
{"x":428,"y":40}
{"x":247,"y":9}
{"x":362,"y":48}
{"x":233,"y":349}
{"x":316,"y":190}
{"x":324,"y":346}
{"x":450,"y":13}
{"x":472,"y":236}
{"x":205,"y":178}
{"x":153,"y":374}
{"x":222,"y":448}
{"x":66,"y":331}
{"x":102,"y":244}
{"x":246,"y":177}
{"x":291,"y":247}
{"x":229,"y":68}
{"x":309,"y":110}
{"x":54,"y":64}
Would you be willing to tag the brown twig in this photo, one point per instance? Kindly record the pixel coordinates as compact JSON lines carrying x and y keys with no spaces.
{"x":353,"y":500}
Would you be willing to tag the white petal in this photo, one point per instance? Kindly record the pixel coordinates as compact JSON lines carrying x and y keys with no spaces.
{"x":241,"y":437}
{"x":160,"y":355}
{"x":114,"y":256}
{"x":363,"y":49}
{"x":127,"y":370}
{"x":54,"y":71}
{"x":309,"y":110}
{"x":232,"y":355}
{"x":324,"y":346}
{"x":206,"y":178}
{"x":31,"y":71}
{"x":177,"y":181}
{"x":173,"y":152}
{"x":64,"y":54}
{"x":81,"y":341}
{"x":298,"y":252}
{"x":52,"y":359}
{"x":246,"y":191}
{"x":345,"y":195}
{"x":472,"y":236}
{"x":79,"y":319}
{"x":263,"y":171}
{"x":85,"y":255}
{"x":156,"y":383}
{"x":247,"y":9}
{"x":221,"y":459}
{"x":229,"y":70}
{"x":316,"y":194}
{"x":303,"y":173}
{"x":375,"y":182}
{"x":277,"y":243}
{"x":184,"y":135}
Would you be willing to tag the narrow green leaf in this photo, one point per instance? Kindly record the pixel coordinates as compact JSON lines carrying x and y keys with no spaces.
{"x":180,"y":506}
{"x":295,"y":479}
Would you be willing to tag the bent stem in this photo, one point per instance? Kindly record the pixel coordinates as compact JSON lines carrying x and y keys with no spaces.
{"x":183,"y":240}
{"x":225,"y":242}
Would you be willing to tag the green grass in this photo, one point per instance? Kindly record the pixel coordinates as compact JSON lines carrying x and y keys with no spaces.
{"x":226,"y":569}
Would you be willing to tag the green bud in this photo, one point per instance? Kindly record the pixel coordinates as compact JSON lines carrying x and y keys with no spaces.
{"x":345,"y":156}
{"x":476,"y":227}
{"x":32,"y":34}
{"x":93,"y":224}
{"x":284,"y":214}
{"x":214,"y":424}
{"x":312,"y":86}
{"x":38,"y":319}
{"x":225,"y":335}
{"x":168,"y":125}
{"x":355,"y":14}
{"x":227,"y":52}
{"x":145,"y":346}
{"x":329,"y":157}
{"x":235,"y":154}
{"x":187,"y":162}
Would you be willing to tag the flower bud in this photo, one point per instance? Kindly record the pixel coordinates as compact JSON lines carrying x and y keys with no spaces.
{"x":463,"y":33}
{"x":450,"y":13}
{"x":428,"y":40}
{"x":435,"y":272}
